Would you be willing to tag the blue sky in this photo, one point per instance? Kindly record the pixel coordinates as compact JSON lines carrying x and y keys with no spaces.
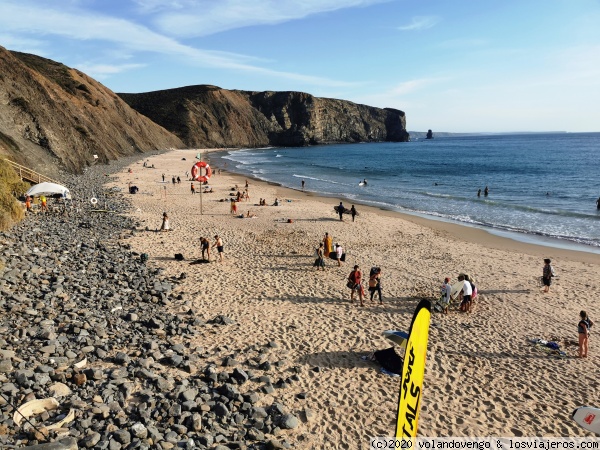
{"x":462,"y":66}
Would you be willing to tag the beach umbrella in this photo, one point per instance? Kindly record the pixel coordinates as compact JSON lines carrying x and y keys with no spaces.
{"x":397,"y":337}
{"x":48,"y":189}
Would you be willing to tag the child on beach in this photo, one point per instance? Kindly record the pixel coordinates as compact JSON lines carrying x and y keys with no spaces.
{"x":583,"y":328}
{"x":165,"y":223}
{"x":44,"y":203}
{"x":446,"y":293}
{"x":547,"y":274}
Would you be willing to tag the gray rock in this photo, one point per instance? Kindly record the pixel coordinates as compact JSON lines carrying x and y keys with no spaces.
{"x":139,"y":430}
{"x":91,"y":440}
{"x":220,"y":409}
{"x":289,"y":422}
{"x":122,"y":437}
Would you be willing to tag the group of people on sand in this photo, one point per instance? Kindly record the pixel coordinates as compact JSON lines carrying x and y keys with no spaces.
{"x":335,"y":251}
{"x":467,"y":294}
{"x":205,"y":244}
{"x":329,"y":250}
{"x":585,"y":323}
{"x":356,"y":287}
{"x":341,"y":209}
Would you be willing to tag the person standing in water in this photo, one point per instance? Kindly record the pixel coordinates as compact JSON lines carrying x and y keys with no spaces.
{"x":486,"y":191}
{"x":302,"y":184}
{"x":479,"y":193}
{"x":598,"y":203}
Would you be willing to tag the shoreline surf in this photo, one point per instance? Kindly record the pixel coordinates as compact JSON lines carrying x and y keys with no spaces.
{"x":533,"y":235}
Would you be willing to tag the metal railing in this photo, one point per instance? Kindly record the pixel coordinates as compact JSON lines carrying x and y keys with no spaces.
{"x":27,"y":174}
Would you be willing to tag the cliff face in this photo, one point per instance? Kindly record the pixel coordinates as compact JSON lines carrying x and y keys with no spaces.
{"x":208,"y":116}
{"x":52,"y":115}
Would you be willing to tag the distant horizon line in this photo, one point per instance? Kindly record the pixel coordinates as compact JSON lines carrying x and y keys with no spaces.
{"x":491,"y":133}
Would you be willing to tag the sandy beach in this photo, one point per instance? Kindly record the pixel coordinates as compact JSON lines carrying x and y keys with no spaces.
{"x":483,"y":376}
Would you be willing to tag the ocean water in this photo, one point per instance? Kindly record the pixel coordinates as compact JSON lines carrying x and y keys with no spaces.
{"x":543,"y":185}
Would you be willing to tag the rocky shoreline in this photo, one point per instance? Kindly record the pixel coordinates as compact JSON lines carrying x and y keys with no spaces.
{"x":85,"y":320}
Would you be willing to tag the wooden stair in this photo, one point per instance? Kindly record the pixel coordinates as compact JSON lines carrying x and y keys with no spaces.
{"x":27,"y":174}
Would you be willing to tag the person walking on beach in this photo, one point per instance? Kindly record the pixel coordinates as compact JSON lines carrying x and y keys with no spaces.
{"x":173,"y":179}
{"x":466,"y":292}
{"x":165,"y":223}
{"x":178,"y":180}
{"x":339,"y":251}
{"x":341,"y":210}
{"x":205,"y":248}
{"x":375,"y":283}
{"x":355,"y":284}
{"x":28,"y":203}
{"x":353,"y":212}
{"x":219,"y":244}
{"x":163,"y":177}
{"x":233,"y":207}
{"x":320,"y":261}
{"x":327,"y":245}
{"x":547,"y":274}
{"x":583,"y":328}
{"x":193,"y":188}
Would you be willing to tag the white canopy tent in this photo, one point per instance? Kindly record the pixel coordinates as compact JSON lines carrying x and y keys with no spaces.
{"x":48,"y":189}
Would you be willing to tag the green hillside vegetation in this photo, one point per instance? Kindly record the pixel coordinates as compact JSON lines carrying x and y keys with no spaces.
{"x":11,"y":186}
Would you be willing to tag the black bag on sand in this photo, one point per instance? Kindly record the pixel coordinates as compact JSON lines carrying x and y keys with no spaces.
{"x":179,"y":257}
{"x":389,"y":360}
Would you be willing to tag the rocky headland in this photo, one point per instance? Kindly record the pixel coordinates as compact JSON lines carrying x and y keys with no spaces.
{"x":208,"y":116}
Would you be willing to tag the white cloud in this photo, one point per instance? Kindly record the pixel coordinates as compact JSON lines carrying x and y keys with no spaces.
{"x":421,"y":23}
{"x":21,"y":18}
{"x":25,"y":45}
{"x":205,"y":17}
{"x":100,"y":71}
